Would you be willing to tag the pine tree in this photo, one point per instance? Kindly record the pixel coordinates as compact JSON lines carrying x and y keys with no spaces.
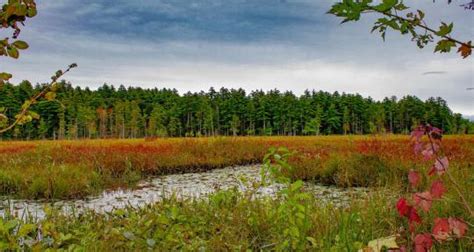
{"x":62,"y":124}
{"x":235,"y":125}
{"x":156,"y":125}
{"x":42,"y":129}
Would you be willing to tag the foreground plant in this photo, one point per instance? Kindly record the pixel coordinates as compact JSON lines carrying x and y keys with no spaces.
{"x":293,"y":212}
{"x":444,"y":228}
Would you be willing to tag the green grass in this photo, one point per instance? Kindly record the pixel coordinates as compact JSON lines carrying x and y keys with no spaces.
{"x":227,"y":221}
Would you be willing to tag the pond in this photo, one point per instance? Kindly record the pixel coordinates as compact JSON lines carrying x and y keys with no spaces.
{"x":182,"y":186}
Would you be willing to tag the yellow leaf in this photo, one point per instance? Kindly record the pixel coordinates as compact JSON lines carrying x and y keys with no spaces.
{"x":378,"y":244}
{"x":50,"y":96}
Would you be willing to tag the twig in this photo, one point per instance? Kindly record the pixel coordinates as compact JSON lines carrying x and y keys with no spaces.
{"x":424,"y":26}
{"x":34,"y":99}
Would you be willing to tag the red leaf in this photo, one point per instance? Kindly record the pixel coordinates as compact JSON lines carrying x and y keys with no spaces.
{"x":418,"y":147}
{"x":414,"y":178}
{"x":403,"y":207}
{"x":423,"y":242}
{"x":413,"y":216}
{"x":446,"y":227}
{"x":436,"y":130}
{"x":458,"y":227}
{"x":418,"y":133}
{"x":427,"y":153}
{"x":437,"y":189}
{"x":441,"y":229}
{"x":423,"y":200}
{"x":441,"y":165}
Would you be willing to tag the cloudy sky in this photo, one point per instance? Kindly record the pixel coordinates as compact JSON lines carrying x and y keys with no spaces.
{"x":192,"y":45}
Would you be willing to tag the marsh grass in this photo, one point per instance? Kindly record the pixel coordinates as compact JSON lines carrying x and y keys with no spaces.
{"x":76,"y":169}
{"x":231,"y":220}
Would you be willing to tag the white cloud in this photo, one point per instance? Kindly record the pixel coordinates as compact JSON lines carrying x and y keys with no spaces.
{"x":328,"y":56}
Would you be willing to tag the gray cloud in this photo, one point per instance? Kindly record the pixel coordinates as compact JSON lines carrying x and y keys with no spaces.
{"x":192,"y":45}
{"x":434,"y":72}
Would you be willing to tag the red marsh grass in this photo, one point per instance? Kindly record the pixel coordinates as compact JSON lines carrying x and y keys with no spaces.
{"x":74,"y":169}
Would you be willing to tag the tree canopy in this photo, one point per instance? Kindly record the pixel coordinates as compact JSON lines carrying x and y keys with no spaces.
{"x":136,"y":112}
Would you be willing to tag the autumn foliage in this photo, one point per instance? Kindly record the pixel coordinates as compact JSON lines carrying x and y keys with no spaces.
{"x":443,"y":229}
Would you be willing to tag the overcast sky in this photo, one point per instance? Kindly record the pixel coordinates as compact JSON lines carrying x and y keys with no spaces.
{"x":192,"y":45}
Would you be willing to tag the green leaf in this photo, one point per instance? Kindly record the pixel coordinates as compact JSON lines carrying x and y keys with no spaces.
{"x":31,"y":12}
{"x":13,"y":52}
{"x":349,"y":10}
{"x":4,"y":42}
{"x":11,"y":224}
{"x":26,"y":104}
{"x":26,"y":229}
{"x":393,"y":24}
{"x":444,"y":29}
{"x":59,"y":73}
{"x":23,"y":119}
{"x":21,"y":10}
{"x":19,"y":44}
{"x":64,"y":238}
{"x":296,"y":185}
{"x":404,"y":28}
{"x":401,"y":7}
{"x":5,"y":76}
{"x":444,"y":46}
{"x":34,"y":115}
{"x":421,"y":14}
{"x":386,"y":5}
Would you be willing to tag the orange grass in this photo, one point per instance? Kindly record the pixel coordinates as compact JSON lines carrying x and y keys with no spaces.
{"x":72,"y":169}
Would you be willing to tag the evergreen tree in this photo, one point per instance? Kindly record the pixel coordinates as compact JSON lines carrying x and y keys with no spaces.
{"x":235,"y":125}
{"x":136,"y":112}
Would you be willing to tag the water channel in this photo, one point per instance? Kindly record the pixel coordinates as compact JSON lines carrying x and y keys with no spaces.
{"x":182,"y":186}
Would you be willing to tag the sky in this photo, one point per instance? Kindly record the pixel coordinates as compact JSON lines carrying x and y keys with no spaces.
{"x":192,"y":45}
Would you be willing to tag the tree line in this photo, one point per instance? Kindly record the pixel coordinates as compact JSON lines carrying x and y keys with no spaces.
{"x":134,"y":112}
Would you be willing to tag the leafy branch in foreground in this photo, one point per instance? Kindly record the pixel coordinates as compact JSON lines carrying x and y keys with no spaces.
{"x":396,"y":17}
{"x":26,"y":115}
{"x":13,"y":13}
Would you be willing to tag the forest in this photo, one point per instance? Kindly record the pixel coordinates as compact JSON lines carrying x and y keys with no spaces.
{"x":134,"y":112}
